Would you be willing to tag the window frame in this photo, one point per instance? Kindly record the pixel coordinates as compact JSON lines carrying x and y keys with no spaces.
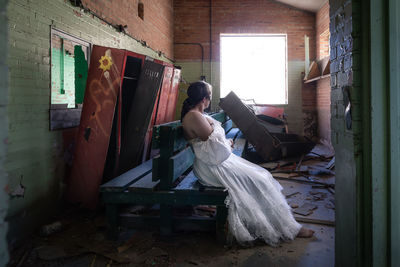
{"x":60,"y":112}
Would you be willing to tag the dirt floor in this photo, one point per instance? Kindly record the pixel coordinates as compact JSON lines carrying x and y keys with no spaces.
{"x":81,"y":240}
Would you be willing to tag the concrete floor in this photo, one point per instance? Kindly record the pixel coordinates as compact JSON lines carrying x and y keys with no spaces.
{"x":82,"y":241}
{"x":190,"y":249}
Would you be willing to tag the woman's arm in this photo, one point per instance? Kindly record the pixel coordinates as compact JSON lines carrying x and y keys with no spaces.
{"x":197,"y":125}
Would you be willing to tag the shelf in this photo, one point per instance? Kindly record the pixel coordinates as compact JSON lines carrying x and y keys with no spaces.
{"x":317,"y":78}
{"x":318,"y":70}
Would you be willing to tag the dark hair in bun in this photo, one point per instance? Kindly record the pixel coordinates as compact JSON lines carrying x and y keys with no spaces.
{"x":196,"y":93}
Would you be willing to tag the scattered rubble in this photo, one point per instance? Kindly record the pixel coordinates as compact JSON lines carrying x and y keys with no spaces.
{"x":305,"y":209}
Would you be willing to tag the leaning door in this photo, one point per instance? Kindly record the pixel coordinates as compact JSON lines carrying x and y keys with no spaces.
{"x":102,"y":87}
{"x":139,"y":116}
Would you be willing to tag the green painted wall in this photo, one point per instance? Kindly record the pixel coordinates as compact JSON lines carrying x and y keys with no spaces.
{"x":34,"y":152}
{"x":191,"y":72}
{"x":81,"y":72}
{"x":383,"y":78}
{"x":3,"y":132}
{"x":394,"y":100}
{"x":63,"y":78}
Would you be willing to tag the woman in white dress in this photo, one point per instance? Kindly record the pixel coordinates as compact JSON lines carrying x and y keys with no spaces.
{"x":256,"y":207}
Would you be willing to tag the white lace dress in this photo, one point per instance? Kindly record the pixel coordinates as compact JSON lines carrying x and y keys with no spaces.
{"x":256,"y":206}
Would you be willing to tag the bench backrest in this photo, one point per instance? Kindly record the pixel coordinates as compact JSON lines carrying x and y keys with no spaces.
{"x":175,"y":157}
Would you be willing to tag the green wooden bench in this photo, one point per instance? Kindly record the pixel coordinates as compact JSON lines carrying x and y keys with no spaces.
{"x":168,"y":180}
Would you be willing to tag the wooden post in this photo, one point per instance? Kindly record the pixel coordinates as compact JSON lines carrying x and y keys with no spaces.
{"x":222,"y":214}
{"x":112,"y":217}
{"x":165,"y":219}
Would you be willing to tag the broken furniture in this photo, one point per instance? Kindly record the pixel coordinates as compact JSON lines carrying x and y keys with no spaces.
{"x":166,"y":180}
{"x":120,"y":96}
{"x":273,"y":117}
{"x":270,"y":146}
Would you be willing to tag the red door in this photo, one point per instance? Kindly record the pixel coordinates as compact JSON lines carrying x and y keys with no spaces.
{"x":102,"y":87}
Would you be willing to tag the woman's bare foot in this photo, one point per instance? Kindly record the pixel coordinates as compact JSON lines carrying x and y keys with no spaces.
{"x":306,"y":233}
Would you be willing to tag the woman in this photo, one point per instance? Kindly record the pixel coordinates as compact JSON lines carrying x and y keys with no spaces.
{"x":257,"y":208}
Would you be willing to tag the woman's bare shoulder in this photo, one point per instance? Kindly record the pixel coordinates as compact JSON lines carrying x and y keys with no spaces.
{"x":193,"y":116}
{"x":196,"y":125}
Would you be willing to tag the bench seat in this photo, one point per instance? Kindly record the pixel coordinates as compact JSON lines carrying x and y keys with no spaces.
{"x":167,"y":180}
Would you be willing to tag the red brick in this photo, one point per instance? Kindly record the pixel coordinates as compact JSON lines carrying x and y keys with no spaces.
{"x":156,"y":28}
{"x":237,"y":16}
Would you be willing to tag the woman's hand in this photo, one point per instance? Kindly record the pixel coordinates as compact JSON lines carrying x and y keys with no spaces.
{"x":232,"y":143}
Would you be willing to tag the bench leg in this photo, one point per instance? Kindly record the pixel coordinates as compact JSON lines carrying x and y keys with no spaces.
{"x":222,"y":215}
{"x":165,"y":219}
{"x":112,"y":218}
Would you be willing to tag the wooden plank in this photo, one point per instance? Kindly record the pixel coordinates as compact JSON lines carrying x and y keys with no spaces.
{"x":179,"y":163}
{"x":227,"y":125}
{"x":156,"y":168}
{"x":168,"y":139}
{"x":166,"y":219}
{"x":314,"y":221}
{"x":146,"y":183}
{"x":165,"y":197}
{"x":313,"y":71}
{"x":190,"y":223}
{"x":327,"y":69}
{"x":167,"y":136}
{"x":317,"y":78}
{"x":233,"y":133}
{"x":124,"y":180}
{"x":191,"y":185}
{"x":221,"y":218}
{"x":220,"y":116}
{"x":112,"y":218}
{"x":171,"y":140}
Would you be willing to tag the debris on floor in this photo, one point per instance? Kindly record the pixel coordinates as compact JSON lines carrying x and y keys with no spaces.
{"x":305,"y":209}
{"x":82,"y":238}
{"x":309,"y":184}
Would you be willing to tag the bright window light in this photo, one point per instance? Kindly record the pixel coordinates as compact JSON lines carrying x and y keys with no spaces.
{"x":254,"y":67}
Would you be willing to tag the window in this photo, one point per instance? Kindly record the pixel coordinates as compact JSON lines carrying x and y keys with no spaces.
{"x":254,"y":67}
{"x":69,"y":68}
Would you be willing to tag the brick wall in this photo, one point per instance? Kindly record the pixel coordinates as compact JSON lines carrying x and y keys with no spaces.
{"x":35,"y":153}
{"x":323,"y":87}
{"x":251,"y":16}
{"x":322,"y":31}
{"x":156,"y":29}
{"x":343,"y":139}
{"x":3,"y":132}
{"x":191,"y":25}
{"x":310,"y":116}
